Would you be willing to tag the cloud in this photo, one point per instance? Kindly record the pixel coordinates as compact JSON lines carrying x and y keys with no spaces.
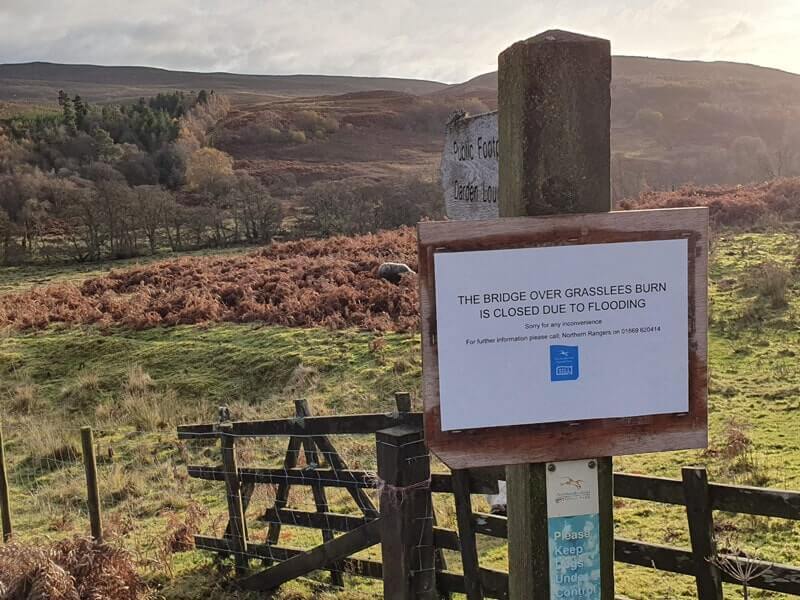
{"x":741,"y":29}
{"x":447,"y":40}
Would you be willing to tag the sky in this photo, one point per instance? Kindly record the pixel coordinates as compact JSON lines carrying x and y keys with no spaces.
{"x":443,"y":40}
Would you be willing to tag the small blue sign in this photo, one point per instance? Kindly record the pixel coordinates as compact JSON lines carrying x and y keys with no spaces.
{"x":563,"y":363}
{"x":574,"y":544}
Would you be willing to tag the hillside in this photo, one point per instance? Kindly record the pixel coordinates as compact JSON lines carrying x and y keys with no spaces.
{"x":673,"y":122}
{"x":138,"y":349}
{"x":653,"y":70}
{"x":40,"y":82}
{"x":378,"y":135}
{"x":135,"y":381}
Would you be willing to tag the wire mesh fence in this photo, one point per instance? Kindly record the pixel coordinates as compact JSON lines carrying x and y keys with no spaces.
{"x":143,"y":490}
{"x":153,"y":508}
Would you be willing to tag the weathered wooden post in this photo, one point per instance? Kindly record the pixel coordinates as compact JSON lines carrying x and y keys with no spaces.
{"x":406,"y":514}
{"x":402,"y":402}
{"x":554,"y":94}
{"x":701,"y":533}
{"x":233,"y":495}
{"x":466,"y":535}
{"x":92,"y":488}
{"x":5,"y":506}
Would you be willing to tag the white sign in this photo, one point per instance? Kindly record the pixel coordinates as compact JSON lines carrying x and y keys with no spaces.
{"x":563,"y":333}
{"x":470,"y":167}
{"x":571,"y":488}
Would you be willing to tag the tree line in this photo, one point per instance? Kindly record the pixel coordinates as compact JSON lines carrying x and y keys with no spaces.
{"x":113,"y":181}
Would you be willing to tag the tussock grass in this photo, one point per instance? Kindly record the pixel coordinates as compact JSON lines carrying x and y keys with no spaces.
{"x":138,"y":381}
{"x":48,"y":445}
{"x":69,"y":570}
{"x":150,"y":410}
{"x":119,"y":483}
{"x":19,"y":394}
{"x":81,"y":392}
{"x":770,"y":281}
{"x":61,"y":492}
{"x":25,"y":398}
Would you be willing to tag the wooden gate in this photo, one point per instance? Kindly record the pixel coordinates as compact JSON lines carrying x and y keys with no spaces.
{"x":403,"y":481}
{"x":414,"y":564}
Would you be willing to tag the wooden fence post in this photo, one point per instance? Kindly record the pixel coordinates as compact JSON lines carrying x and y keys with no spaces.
{"x":92,"y":488}
{"x":701,"y":532}
{"x":554,"y":120}
{"x":466,"y":535}
{"x":605,"y":494}
{"x":406,"y":514}
{"x":5,"y":506}
{"x":402,"y":401}
{"x":527,"y":532}
{"x":233,"y":494}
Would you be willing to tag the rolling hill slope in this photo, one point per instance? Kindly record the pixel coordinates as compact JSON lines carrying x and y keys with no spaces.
{"x":40,"y":82}
{"x":652,"y":70}
{"x":673,"y":122}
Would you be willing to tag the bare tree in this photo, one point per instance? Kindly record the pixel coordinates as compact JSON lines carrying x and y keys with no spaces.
{"x":86,"y":232}
{"x":176,"y":218}
{"x":8,"y":230}
{"x":261,"y":214}
{"x":151,"y":204}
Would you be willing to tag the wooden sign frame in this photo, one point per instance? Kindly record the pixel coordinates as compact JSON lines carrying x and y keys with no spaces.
{"x":571,"y":440}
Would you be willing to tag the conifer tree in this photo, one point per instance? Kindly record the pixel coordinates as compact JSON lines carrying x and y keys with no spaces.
{"x":70,"y":121}
{"x":81,"y":112}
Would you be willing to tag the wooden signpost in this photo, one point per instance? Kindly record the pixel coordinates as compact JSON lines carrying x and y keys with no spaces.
{"x":553,"y":341}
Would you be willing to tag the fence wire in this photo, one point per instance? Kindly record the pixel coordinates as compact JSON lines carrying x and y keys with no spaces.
{"x":153,"y":508}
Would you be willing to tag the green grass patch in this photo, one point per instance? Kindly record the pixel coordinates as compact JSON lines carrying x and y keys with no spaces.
{"x":238,"y":365}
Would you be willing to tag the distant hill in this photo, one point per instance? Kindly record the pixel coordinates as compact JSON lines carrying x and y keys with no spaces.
{"x":652,"y":70}
{"x":40,"y":82}
{"x":673,"y":122}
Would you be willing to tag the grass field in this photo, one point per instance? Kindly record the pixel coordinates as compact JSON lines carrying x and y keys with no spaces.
{"x":135,"y":386}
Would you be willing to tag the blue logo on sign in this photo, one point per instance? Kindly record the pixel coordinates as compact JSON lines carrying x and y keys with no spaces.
{"x":563,"y":363}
